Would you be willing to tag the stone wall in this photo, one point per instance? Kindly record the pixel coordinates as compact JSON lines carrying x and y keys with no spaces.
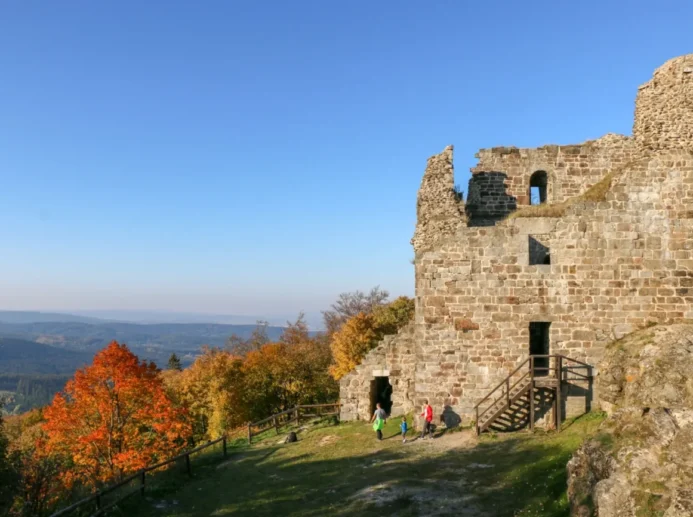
{"x":395,"y":358}
{"x":571,"y":170}
{"x":615,"y":265}
{"x":664,"y":107}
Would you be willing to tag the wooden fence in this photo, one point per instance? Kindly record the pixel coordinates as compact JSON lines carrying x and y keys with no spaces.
{"x":296,"y":414}
{"x":141,"y":476}
{"x":290,"y":416}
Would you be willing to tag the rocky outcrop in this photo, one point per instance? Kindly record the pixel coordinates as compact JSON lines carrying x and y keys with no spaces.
{"x":641,"y":462}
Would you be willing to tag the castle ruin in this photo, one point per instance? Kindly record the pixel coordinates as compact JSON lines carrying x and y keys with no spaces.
{"x":558,"y":249}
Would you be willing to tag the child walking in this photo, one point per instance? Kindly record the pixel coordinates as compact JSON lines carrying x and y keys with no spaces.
{"x":403,"y":427}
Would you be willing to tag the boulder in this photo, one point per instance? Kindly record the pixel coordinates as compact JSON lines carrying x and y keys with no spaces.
{"x":641,"y":461}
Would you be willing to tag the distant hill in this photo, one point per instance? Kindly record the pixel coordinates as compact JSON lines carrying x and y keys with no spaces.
{"x":166,"y":336}
{"x":149,"y":317}
{"x":28,"y":357}
{"x":36,"y":317}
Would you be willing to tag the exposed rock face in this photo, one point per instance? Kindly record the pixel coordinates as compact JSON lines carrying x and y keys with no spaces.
{"x":641,"y":463}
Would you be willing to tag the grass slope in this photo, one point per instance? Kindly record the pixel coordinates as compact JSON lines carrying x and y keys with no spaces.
{"x":343,"y":470}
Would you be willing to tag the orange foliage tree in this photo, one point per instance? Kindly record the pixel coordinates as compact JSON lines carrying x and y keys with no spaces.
{"x":113,"y":418}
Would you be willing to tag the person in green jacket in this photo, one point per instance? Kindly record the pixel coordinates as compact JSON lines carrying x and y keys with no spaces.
{"x":378,"y":420}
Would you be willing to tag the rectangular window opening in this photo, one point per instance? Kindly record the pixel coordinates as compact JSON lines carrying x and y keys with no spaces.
{"x":539,"y":254}
{"x":537,"y":195}
{"x":539,"y":346}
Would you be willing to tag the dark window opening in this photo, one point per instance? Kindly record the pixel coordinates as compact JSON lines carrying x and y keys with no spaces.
{"x":538,"y":253}
{"x":381,"y":391}
{"x":539,"y":345}
{"x":537,"y":188}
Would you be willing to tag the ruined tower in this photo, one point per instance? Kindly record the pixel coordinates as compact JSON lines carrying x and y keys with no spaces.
{"x":607,"y":249}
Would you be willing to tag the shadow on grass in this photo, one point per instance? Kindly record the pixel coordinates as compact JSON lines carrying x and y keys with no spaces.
{"x":507,"y":476}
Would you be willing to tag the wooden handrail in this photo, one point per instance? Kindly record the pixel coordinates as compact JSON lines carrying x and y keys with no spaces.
{"x":139,"y":474}
{"x":296,"y":410}
{"x":501,"y":384}
{"x":559,"y":367}
{"x":479,"y":415}
{"x":293,"y":409}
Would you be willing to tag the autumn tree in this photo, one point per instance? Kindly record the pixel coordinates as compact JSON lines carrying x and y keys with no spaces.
{"x":174,"y":363}
{"x":290,"y":372}
{"x":39,"y":486}
{"x":259,"y":337}
{"x":349,"y":305}
{"x":362,"y":332}
{"x":113,"y":418}
{"x":388,"y":319}
{"x":211,"y":390}
{"x":8,"y":473}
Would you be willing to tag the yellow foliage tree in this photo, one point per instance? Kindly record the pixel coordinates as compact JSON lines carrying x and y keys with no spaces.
{"x":351,"y":343}
{"x":361,"y":333}
{"x":211,"y":390}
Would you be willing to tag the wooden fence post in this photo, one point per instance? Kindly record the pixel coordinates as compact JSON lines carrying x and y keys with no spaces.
{"x":142,"y":481}
{"x":298,"y":415}
{"x":531,"y":393}
{"x":224,"y":442}
{"x":276,"y":425}
{"x":98,"y":501}
{"x":559,"y":391}
{"x":250,"y":436}
{"x":187,"y":464}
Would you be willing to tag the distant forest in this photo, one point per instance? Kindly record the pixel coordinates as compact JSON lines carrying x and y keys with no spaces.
{"x":22,"y":392}
{"x":38,"y":357}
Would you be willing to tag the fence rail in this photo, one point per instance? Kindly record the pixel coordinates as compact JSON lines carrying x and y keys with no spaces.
{"x":289,"y":416}
{"x":97,"y":498}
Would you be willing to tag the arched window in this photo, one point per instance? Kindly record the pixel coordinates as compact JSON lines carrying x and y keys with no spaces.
{"x":537,"y":187}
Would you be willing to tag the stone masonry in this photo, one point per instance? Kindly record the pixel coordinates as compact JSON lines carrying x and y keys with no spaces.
{"x":617,"y":263}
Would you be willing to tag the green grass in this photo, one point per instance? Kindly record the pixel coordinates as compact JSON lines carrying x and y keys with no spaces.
{"x":343,"y":470}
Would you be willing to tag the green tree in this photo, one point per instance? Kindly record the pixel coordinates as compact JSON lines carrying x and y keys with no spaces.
{"x":174,"y":363}
{"x":388,"y":319}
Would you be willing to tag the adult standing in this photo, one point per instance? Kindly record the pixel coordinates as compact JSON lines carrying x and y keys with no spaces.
{"x":427,"y":414}
{"x":378,"y":420}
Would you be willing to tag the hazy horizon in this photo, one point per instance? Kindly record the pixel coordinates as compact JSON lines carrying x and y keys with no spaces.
{"x":314,"y":319}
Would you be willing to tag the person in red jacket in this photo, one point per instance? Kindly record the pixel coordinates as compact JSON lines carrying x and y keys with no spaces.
{"x":428,"y":418}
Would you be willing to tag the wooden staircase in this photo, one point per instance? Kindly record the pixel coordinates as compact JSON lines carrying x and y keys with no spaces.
{"x":535,"y":384}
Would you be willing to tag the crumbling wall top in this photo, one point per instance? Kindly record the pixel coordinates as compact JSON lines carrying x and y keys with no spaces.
{"x":439,"y":211}
{"x":664,"y":107}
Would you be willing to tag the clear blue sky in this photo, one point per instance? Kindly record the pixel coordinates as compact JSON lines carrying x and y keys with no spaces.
{"x":261,"y":157}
